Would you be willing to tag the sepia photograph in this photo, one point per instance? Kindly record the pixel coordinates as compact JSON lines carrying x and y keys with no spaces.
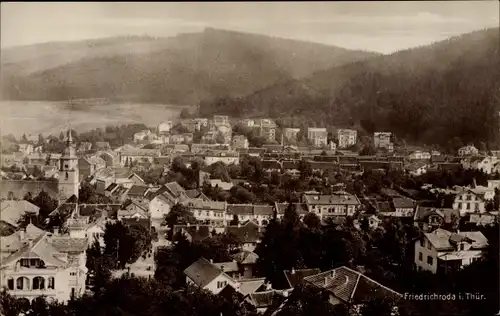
{"x":250,"y":158}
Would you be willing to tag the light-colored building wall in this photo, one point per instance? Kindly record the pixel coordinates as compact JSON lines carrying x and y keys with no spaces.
{"x":423,"y":251}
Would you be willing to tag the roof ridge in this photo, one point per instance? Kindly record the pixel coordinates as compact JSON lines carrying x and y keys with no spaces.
{"x":370,"y":279}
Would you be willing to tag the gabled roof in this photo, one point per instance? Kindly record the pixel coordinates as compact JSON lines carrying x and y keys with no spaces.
{"x":295,"y":277}
{"x":249,"y":233}
{"x":422,"y":213}
{"x":300,"y":208}
{"x":402,"y":202}
{"x":138,"y":190}
{"x":202,"y":272}
{"x":249,"y":286}
{"x":196,"y":232}
{"x":350,"y":286}
{"x":337,"y":198}
{"x":440,"y":239}
{"x":266,"y":299}
{"x":230,"y":266}
{"x":11,"y":211}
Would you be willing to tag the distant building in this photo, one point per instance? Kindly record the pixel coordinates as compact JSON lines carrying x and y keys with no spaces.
{"x":442,"y":251}
{"x":346,"y":137}
{"x":468,"y":150}
{"x":227,"y":157}
{"x":469,"y":201}
{"x":484,"y":163}
{"x":165,"y":127}
{"x":317,"y":136}
{"x":42,"y":263}
{"x":266,"y":128}
{"x":205,"y":275}
{"x":290,"y":134}
{"x":338,"y":204}
{"x":26,"y":148}
{"x":240,"y":141}
{"x":419,"y":155}
{"x":89,"y":165}
{"x":220,"y":120}
{"x":191,"y":125}
{"x":142,"y":135}
{"x":383,"y":140}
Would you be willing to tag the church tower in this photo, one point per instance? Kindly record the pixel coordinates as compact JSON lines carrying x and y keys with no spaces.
{"x":68,"y":171}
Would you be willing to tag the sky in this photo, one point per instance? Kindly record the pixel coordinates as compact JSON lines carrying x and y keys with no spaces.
{"x":375,"y":26}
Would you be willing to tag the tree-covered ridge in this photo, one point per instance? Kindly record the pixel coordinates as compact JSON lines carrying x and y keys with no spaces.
{"x":179,"y":70}
{"x":429,"y":94}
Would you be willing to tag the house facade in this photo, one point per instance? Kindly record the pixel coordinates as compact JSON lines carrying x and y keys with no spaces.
{"x":240,"y":141}
{"x":383,"y":140}
{"x":338,"y":204}
{"x":48,"y":265}
{"x":227,"y":157}
{"x":442,"y":251}
{"x":468,"y":150}
{"x":346,"y":137}
{"x":165,"y":127}
{"x":317,"y":136}
{"x":290,"y":134}
{"x":467,"y":201}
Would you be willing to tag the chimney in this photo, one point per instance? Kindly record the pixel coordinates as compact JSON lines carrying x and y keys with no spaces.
{"x":269,"y":286}
{"x":329,"y":278}
{"x":293,"y":271}
{"x":211,"y":261}
{"x":474,"y":184}
{"x":55,"y":230}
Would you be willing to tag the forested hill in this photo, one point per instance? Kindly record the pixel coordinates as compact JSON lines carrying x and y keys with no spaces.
{"x":179,"y":70}
{"x":445,"y":92}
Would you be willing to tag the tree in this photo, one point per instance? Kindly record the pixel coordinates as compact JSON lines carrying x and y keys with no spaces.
{"x":305,"y":169}
{"x":87,"y":193}
{"x":179,"y":215}
{"x":185,"y":113}
{"x":61,"y":136}
{"x":235,"y":221}
{"x":24,"y":139}
{"x":45,"y":203}
{"x":312,"y":220}
{"x":97,"y":265}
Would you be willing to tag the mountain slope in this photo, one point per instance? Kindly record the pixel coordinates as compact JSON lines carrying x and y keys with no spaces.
{"x":182,"y":70}
{"x":429,"y":94}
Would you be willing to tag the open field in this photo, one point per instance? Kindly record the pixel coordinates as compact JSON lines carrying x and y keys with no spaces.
{"x":33,"y":117}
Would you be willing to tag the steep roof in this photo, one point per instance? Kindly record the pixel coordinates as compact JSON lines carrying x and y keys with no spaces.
{"x":230,"y":266}
{"x":266,"y":299}
{"x":138,"y":190}
{"x":196,"y":232}
{"x":249,"y":233}
{"x":350,"y":286}
{"x":202,"y":272}
{"x":295,"y":277}
{"x":11,"y":211}
{"x":300,"y":208}
{"x":440,"y":239}
{"x":249,"y":286}
{"x":402,"y":202}
{"x":422,"y":213}
{"x":337,"y":198}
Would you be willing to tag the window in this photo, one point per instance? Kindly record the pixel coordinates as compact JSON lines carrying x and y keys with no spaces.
{"x":72,"y":293}
{"x":66,"y":176}
{"x":23,"y":283}
{"x":420,"y":256}
{"x":51,"y":282}
{"x":422,"y":243}
{"x":38,"y":283}
{"x":72,"y":273}
{"x":468,"y":206}
{"x":430,"y":260}
{"x":10,"y":283}
{"x":429,"y":246}
{"x":66,"y":166}
{"x":221,"y":284}
{"x":461,"y":246}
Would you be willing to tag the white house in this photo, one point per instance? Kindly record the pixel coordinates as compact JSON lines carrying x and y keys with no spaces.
{"x":48,"y":265}
{"x":165,"y":127}
{"x":442,"y":251}
{"x":346,"y":137}
{"x":205,"y":275}
{"x":227,"y":157}
{"x":419,"y":155}
{"x":468,"y":150}
{"x":339,"y":203}
{"x":468,"y":201}
{"x":486,"y":163}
